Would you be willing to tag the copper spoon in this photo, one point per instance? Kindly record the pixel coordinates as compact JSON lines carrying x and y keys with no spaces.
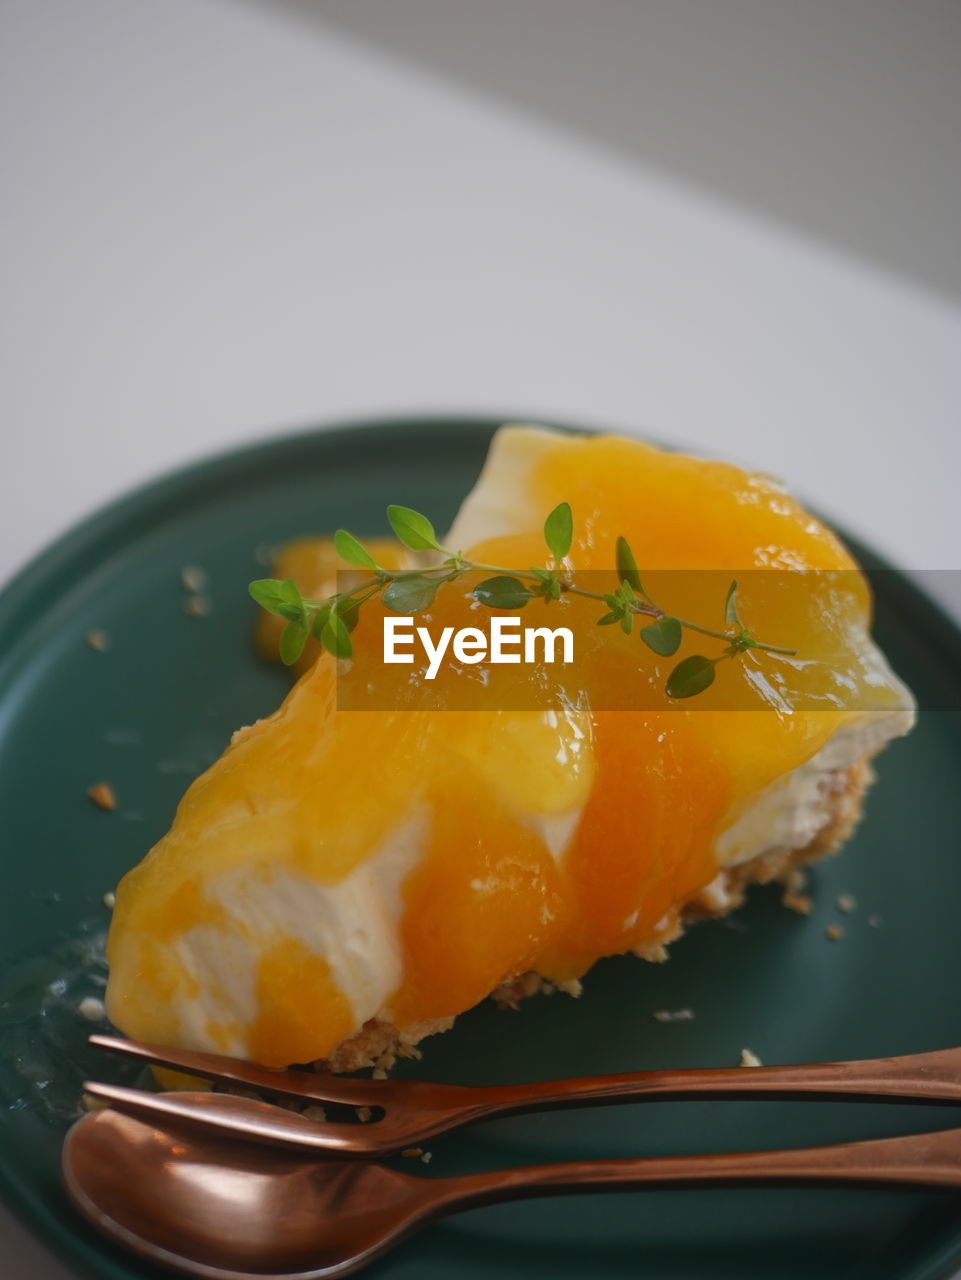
{"x":416,"y":1110}
{"x":229,"y":1210}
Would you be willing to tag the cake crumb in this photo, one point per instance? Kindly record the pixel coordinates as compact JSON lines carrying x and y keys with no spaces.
{"x":673,"y":1015}
{"x":386,"y":1060}
{"x":313,"y":1112}
{"x":110,"y":900}
{"x":103,"y":795}
{"x":193,"y":578}
{"x":426,"y":1157}
{"x":92,"y":1009}
{"x":834,"y":932}
{"x":749,"y":1059}
{"x":98,"y":640}
{"x":797,"y":902}
{"x":196,"y":606}
{"x":847,"y":903}
{"x":378,"y":1073}
{"x":656,"y":954}
{"x":875,"y":922}
{"x":412,"y":1153}
{"x":572,"y":987}
{"x":364,"y":1114}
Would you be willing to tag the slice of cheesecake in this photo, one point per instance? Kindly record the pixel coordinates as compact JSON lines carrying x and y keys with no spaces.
{"x":342,"y":881}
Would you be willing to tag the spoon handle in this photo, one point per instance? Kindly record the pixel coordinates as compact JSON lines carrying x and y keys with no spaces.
{"x":927,"y":1160}
{"x":919,"y":1077}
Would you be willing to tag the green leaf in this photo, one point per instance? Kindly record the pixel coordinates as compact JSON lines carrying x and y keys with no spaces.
{"x":292,"y":605}
{"x":627,"y":566}
{"x":267,"y":593}
{"x":559,"y":530}
{"x":292,"y":641}
{"x":550,"y":583}
{"x":502,"y":593}
{"x":608,"y":620}
{"x":348,"y":610}
{"x":627,"y":622}
{"x":691,"y":676}
{"x":292,"y":612}
{"x":280,"y":597}
{"x":320,"y":620}
{"x":663,"y":636}
{"x":335,"y":639}
{"x":349,"y":549}
{"x":411,"y":595}
{"x":730,"y":607}
{"x":413,"y":529}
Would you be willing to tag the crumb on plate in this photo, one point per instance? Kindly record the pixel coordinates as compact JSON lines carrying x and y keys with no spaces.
{"x":196,"y":606}
{"x":98,"y":640}
{"x":834,"y":932}
{"x":749,"y":1059}
{"x":92,"y":1009}
{"x":103,"y":795}
{"x":673,"y":1015}
{"x":193,"y":578}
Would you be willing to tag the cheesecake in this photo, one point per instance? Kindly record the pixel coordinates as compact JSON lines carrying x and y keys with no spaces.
{"x":349,"y":877}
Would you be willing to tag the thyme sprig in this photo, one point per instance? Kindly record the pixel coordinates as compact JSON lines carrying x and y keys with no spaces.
{"x":410,"y":591}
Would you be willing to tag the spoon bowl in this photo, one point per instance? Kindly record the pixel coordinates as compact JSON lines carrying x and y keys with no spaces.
{"x":228,"y":1210}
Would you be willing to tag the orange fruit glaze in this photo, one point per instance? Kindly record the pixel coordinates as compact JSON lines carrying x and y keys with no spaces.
{"x":638,"y":796}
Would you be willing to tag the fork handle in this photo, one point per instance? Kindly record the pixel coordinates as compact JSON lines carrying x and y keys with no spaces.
{"x":924,"y":1160}
{"x":919,"y":1077}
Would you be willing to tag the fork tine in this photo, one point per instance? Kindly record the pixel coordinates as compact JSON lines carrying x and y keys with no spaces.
{"x":241,"y":1118}
{"x":314,"y":1086}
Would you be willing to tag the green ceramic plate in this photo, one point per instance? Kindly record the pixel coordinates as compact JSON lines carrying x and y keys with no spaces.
{"x":158,"y":706}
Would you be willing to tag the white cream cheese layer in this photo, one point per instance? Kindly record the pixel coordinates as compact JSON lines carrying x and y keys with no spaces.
{"x":500,"y":502}
{"x":789,"y":812}
{"x":352,"y":925}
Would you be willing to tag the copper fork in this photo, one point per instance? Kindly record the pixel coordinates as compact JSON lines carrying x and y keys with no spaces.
{"x":409,"y":1112}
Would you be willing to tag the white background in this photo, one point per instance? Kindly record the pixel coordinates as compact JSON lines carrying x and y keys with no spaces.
{"x":733,"y":224}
